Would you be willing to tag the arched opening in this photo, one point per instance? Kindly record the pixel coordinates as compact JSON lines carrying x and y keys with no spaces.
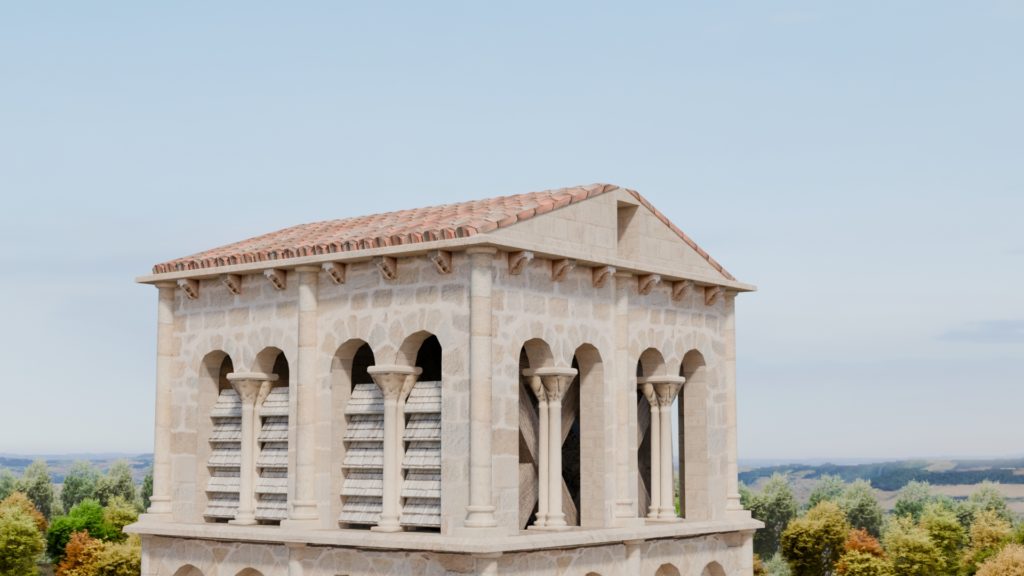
{"x":220,"y":438}
{"x":650,"y":363}
{"x":188,"y":570}
{"x":534,"y":354}
{"x":667,"y":569}
{"x":250,"y":572}
{"x":362,"y":436}
{"x":585,"y":474}
{"x":421,"y":440}
{"x":272,"y":437}
{"x":712,"y":569}
{"x":693,"y":438}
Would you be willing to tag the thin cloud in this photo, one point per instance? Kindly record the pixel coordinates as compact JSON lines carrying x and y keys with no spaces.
{"x":988,"y":332}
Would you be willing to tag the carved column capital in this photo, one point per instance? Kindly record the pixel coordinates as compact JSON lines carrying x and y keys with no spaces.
{"x":535,"y":384}
{"x":395,"y":382}
{"x":556,"y":381}
{"x":249,"y":384}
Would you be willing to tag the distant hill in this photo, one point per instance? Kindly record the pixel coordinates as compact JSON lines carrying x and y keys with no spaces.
{"x":894,"y":475}
{"x":60,"y":463}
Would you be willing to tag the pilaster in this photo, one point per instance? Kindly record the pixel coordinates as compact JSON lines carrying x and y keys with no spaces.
{"x":480,"y":511}
{"x":303,"y":511}
{"x":165,"y":349}
{"x":733,"y":504}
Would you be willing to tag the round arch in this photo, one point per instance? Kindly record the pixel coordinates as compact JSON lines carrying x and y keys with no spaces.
{"x":692,"y":455}
{"x":651,"y":363}
{"x":590,"y":396}
{"x":667,"y":569}
{"x":250,"y":572}
{"x":188,"y":570}
{"x":713,"y":569}
{"x":538,"y":354}
{"x":348,"y":369}
{"x":212,"y":381}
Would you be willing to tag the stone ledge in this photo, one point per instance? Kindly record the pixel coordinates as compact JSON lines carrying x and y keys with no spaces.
{"x":490,"y":544}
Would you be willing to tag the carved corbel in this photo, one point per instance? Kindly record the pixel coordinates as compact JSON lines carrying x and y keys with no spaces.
{"x":442,"y":260}
{"x":647,"y":282}
{"x":388,"y":266}
{"x":190,"y":286}
{"x":278,"y":277}
{"x":559,"y":269}
{"x":233,"y":282}
{"x":517,"y":262}
{"x":601,"y":275}
{"x":680,"y":288}
{"x":711,"y":294}
{"x":337,"y":271}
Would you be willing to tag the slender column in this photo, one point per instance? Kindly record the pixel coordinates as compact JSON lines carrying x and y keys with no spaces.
{"x":303,"y":509}
{"x":556,"y":384}
{"x":249,"y":385}
{"x":733,"y":494}
{"x":542,"y":448}
{"x":655,"y":435}
{"x":667,"y":390}
{"x":161,"y":500}
{"x":395,"y":383}
{"x":624,"y":399}
{"x":480,"y":511}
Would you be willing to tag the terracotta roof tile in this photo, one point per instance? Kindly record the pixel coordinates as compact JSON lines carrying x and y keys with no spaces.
{"x":414,"y":226}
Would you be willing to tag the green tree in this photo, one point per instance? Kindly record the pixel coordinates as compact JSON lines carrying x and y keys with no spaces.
{"x":988,"y":497}
{"x":8,"y":483}
{"x":79,"y":484}
{"x":21,"y":543}
{"x":827,"y":489}
{"x":911,"y":549}
{"x":813,"y":543}
{"x":19,"y":500}
{"x":35,"y":483}
{"x":861,"y":506}
{"x":117,"y":481}
{"x":857,"y":563}
{"x":945,"y":532}
{"x":775,"y":506}
{"x":912,"y":498}
{"x":1008,"y":562}
{"x":86,"y":516}
{"x":118,"y":514}
{"x":989,"y":533}
{"x":120,"y":558}
{"x":777,"y":566}
{"x":147,"y":490}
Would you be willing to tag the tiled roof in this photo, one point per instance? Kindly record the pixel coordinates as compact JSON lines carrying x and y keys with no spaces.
{"x":448,"y":221}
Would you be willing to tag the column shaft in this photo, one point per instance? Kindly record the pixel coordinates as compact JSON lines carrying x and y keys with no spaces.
{"x":389,"y":518}
{"x":480,"y":511}
{"x":543,"y":504}
{"x":655,"y":435}
{"x":667,"y":509}
{"x":556,"y":518}
{"x":304,"y":507}
{"x":161,"y":500}
{"x":249,"y":390}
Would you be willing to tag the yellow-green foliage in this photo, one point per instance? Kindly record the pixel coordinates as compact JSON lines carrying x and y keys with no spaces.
{"x":989,"y":533}
{"x":945,"y":531}
{"x":858,"y":563}
{"x":21,"y":542}
{"x":813,"y":543}
{"x":1008,"y":562}
{"x":911,"y":549}
{"x":119,"y":513}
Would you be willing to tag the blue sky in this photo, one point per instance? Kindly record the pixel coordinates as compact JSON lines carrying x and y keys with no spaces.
{"x":862,"y":163}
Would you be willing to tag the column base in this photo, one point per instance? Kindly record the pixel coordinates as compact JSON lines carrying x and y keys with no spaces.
{"x":159,"y":507}
{"x":387,"y":525}
{"x":246,"y":520}
{"x":480,"y":517}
